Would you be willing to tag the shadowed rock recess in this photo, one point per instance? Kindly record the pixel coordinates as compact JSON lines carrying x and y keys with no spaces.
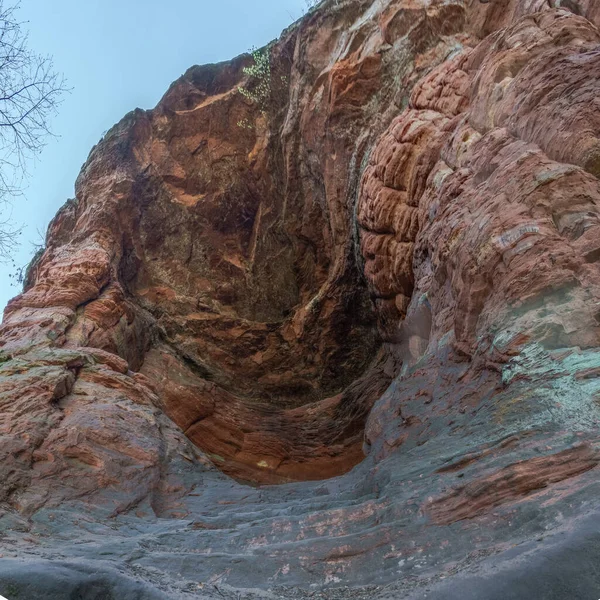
{"x":342,"y":343}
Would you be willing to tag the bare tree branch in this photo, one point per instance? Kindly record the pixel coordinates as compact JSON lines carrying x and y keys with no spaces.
{"x":30,"y":93}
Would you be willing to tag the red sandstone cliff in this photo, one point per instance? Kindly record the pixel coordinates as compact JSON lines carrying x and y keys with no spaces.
{"x":386,"y":279}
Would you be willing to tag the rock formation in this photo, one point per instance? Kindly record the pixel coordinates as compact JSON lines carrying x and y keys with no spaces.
{"x":341,"y":342}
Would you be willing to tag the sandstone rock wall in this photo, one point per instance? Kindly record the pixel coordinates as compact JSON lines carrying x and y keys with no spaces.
{"x":385,"y":278}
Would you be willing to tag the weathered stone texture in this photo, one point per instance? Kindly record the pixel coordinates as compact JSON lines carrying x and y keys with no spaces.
{"x":382,"y":293}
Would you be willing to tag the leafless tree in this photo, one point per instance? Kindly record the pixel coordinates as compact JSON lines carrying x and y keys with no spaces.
{"x":30,"y":92}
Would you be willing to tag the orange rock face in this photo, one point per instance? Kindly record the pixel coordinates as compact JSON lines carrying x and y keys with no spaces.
{"x":218,"y":259}
{"x":380,"y":288}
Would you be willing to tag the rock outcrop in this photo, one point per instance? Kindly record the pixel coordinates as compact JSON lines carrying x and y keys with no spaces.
{"x":378,"y":289}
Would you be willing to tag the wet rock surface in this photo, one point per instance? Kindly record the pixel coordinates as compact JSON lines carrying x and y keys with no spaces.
{"x":346,"y":350}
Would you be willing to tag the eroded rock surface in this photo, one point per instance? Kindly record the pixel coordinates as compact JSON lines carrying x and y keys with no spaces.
{"x":380,"y":291}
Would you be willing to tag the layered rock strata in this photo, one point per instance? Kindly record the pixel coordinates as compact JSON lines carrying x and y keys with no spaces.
{"x":379,"y":291}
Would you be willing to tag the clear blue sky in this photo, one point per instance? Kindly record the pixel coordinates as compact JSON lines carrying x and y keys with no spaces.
{"x":118,"y":55}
